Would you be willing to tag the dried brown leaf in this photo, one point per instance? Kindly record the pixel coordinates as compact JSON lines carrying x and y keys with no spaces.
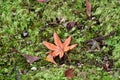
{"x":69,"y":73}
{"x":30,"y":59}
{"x":88,"y":8}
{"x":107,"y":66}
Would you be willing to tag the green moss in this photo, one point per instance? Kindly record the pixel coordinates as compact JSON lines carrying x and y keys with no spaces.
{"x":40,"y":20}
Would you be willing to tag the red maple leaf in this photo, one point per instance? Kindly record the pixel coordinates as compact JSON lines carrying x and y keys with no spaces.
{"x":59,"y":49}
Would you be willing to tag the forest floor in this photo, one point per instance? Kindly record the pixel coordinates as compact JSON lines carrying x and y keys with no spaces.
{"x":25,"y":24}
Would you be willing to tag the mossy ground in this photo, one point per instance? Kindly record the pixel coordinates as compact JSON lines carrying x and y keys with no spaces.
{"x":40,"y":20}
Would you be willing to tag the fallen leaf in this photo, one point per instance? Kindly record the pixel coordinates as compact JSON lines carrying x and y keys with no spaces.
{"x":93,"y":46}
{"x":100,"y":38}
{"x":107,"y":66}
{"x":30,"y":59}
{"x":69,"y":73}
{"x":59,"y":49}
{"x":42,"y":0}
{"x":70,"y":25}
{"x":88,"y":8}
{"x":97,"y":42}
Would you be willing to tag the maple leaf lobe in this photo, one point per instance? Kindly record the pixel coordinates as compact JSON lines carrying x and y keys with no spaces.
{"x":57,"y":40}
{"x":49,"y":45}
{"x":50,"y":59}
